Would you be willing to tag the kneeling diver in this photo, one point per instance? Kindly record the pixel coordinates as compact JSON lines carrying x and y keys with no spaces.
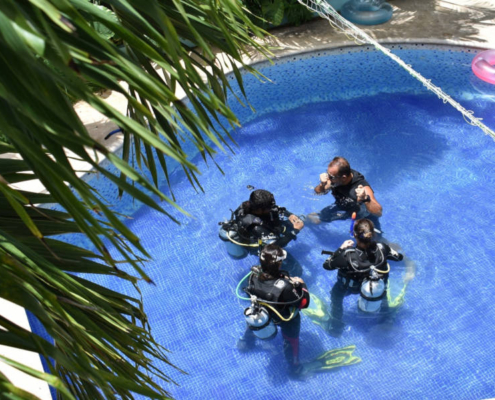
{"x":362,"y":269}
{"x":258,"y":222}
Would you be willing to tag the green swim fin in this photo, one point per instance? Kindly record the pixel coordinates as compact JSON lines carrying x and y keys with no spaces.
{"x":335,"y":358}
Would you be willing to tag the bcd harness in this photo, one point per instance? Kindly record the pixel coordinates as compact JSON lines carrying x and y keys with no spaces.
{"x":237,"y":230}
{"x":375,"y":270}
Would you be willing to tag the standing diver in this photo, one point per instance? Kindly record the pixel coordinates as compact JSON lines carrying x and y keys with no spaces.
{"x":258,"y":222}
{"x":352,"y":193}
{"x":362,"y":269}
{"x":276,"y":299}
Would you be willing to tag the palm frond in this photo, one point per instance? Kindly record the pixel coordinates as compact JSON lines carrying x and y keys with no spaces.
{"x":101,"y":346}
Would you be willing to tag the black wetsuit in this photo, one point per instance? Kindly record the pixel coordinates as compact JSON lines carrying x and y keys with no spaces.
{"x":282,"y":290}
{"x":253,"y":227}
{"x":353,"y":265}
{"x":271,"y":230}
{"x":346,"y":202}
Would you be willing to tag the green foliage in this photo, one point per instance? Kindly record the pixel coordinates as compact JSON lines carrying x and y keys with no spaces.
{"x":102,"y":30}
{"x":102,"y":344}
{"x":267,"y":13}
{"x":297,"y":14}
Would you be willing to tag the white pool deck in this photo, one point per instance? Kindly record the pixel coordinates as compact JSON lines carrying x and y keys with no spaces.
{"x":453,"y":22}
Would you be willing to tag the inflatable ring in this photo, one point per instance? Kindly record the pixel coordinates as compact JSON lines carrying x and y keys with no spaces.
{"x":337,"y":4}
{"x":483,"y":66}
{"x":367,"y":12}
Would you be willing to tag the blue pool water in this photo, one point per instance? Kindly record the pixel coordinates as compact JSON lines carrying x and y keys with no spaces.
{"x":434,"y":176}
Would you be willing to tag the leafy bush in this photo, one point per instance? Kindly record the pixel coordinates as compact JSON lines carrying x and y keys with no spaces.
{"x":267,"y":13}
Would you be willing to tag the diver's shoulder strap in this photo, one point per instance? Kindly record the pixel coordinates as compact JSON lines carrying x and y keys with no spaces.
{"x":355,"y":262}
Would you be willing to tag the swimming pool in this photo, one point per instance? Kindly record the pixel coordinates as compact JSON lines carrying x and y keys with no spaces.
{"x":434,"y":176}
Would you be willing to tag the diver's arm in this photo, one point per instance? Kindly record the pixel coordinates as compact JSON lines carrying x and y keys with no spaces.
{"x":325,"y":184}
{"x":367,"y":196}
{"x":294,"y":290}
{"x":287,"y":213}
{"x":288,"y":235}
{"x":392,"y":254}
{"x":336,"y":261}
{"x":259,"y":231}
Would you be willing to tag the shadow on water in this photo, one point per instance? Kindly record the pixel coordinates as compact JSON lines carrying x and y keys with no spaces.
{"x":310,"y":346}
{"x":382,"y":331}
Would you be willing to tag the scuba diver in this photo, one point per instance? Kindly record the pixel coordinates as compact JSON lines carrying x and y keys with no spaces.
{"x":352,"y":193}
{"x":276,"y":299}
{"x":362,"y":269}
{"x":258,"y":222}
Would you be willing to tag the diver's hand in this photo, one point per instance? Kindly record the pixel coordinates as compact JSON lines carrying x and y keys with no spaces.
{"x":360,"y":193}
{"x":324,"y":185}
{"x":324,"y":178}
{"x":296,"y":222}
{"x":394,"y":246}
{"x":347,"y":243}
{"x":295,"y":279}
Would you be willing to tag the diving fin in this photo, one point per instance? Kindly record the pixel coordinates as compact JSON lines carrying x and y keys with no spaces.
{"x":317,"y":312}
{"x":399,"y":300}
{"x":335,"y":358}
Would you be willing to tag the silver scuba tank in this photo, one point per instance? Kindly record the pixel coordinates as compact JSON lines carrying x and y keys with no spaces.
{"x":259,"y":321}
{"x":372,"y":293}
{"x":227,"y":234}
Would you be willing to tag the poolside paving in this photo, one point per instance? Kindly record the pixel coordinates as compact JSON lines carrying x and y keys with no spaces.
{"x":456,"y":22}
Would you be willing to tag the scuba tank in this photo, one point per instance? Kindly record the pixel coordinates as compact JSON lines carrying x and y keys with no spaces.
{"x":229,"y":234}
{"x":238,"y":240}
{"x":372,"y":293}
{"x":228,"y":229}
{"x":259,"y":321}
{"x":258,"y":316}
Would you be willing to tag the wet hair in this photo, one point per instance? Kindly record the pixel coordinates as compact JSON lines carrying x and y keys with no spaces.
{"x":259,"y":200}
{"x":342,"y":164}
{"x":269,"y":266}
{"x":364,"y":230}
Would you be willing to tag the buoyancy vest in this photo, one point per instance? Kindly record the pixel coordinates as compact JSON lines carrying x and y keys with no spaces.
{"x":272,"y":290}
{"x":250,"y":227}
{"x":359,"y":263}
{"x":345,"y":195}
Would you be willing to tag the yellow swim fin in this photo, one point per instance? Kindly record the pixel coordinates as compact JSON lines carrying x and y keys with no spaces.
{"x":317,"y":312}
{"x":399,"y":300}
{"x":330,"y":359}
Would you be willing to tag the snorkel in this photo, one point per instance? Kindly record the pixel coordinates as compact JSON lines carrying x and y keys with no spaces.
{"x":352,"y":224}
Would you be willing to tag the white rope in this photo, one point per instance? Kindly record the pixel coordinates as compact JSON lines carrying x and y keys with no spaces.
{"x":327,"y":12}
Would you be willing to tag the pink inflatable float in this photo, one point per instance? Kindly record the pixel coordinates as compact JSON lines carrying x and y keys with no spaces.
{"x":483,"y":66}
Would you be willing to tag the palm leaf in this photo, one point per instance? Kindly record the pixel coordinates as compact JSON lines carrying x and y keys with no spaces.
{"x":101,"y":344}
